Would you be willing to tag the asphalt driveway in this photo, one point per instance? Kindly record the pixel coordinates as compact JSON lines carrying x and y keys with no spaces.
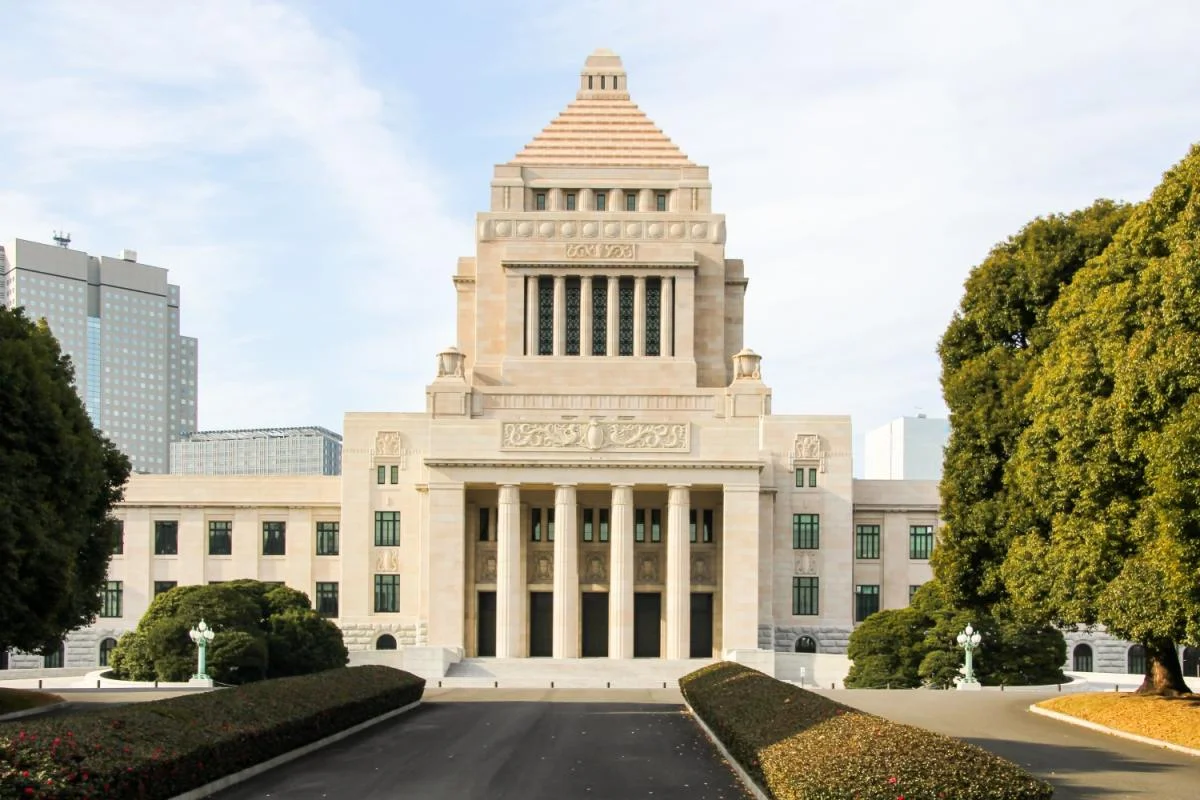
{"x":508,"y":749}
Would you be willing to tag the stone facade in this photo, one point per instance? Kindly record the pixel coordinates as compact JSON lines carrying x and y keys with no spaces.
{"x":597,"y":471}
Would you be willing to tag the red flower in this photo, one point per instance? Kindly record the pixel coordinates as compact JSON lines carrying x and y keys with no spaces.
{"x":892,"y":779}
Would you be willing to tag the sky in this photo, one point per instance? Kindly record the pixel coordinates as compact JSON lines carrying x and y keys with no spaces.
{"x":309,"y":171}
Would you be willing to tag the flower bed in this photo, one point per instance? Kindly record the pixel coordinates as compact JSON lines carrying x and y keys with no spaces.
{"x":801,"y":746}
{"x":1168,"y":719}
{"x":164,"y":748}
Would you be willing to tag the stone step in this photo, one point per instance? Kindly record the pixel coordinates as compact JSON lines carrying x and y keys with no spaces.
{"x":593,"y":671}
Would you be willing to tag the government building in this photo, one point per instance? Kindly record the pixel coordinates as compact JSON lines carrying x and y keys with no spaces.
{"x":597,"y":471}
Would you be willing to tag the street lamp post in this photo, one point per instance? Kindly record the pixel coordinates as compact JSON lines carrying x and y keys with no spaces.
{"x":968,"y":640}
{"x":201,"y":635}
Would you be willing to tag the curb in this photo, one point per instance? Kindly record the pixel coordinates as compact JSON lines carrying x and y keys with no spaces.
{"x":252,"y":772}
{"x":36,"y":710}
{"x":750,"y":784}
{"x":1095,"y":726}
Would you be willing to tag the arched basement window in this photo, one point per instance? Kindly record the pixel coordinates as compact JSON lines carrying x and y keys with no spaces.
{"x":806,"y":644}
{"x":1083,"y":658}
{"x":385,"y":642}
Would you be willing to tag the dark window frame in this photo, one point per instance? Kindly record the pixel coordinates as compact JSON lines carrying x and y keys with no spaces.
{"x":325,"y":600}
{"x":387,"y":528}
{"x":387,"y":594}
{"x":867,"y":541}
{"x":215,"y":532}
{"x":380,"y":474}
{"x":274,"y":537}
{"x":161,"y":587}
{"x":920,"y":541}
{"x":806,"y":596}
{"x":166,"y":537}
{"x":112,"y":596}
{"x":328,"y":532}
{"x":806,"y":531}
{"x":866,"y":602}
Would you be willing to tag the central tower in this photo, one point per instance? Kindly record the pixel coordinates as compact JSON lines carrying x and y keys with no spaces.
{"x":600,"y":263}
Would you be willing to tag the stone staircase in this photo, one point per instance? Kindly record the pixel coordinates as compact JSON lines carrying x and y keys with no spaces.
{"x":569,"y":673}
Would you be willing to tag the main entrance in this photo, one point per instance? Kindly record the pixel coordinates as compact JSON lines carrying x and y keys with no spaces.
{"x":485,"y":625}
{"x":541,"y":624}
{"x":647,"y":625}
{"x":702,"y":625}
{"x":595,"y":624}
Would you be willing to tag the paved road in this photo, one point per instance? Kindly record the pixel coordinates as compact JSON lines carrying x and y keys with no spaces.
{"x":1080,"y":763}
{"x":516,"y":747}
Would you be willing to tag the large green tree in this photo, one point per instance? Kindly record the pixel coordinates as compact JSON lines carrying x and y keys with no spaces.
{"x":989,"y":353}
{"x":1109,"y":468}
{"x":59,"y":478}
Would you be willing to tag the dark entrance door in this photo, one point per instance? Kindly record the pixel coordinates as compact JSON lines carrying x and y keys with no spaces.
{"x":541,"y":624}
{"x":702,"y":625}
{"x":485,"y":625}
{"x":647,"y":625}
{"x":595,"y":624}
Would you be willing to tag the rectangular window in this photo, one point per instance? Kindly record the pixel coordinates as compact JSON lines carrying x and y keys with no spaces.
{"x":570,"y":201}
{"x":655,"y":525}
{"x":327,"y":599}
{"x":812,"y":477}
{"x":912,"y":590}
{"x":601,"y":199}
{"x":866,"y":541}
{"x":166,"y":537}
{"x":599,"y":316}
{"x":395,"y":473}
{"x":920,"y":542}
{"x":573,"y":300}
{"x":220,"y":537}
{"x":110,"y":599}
{"x":653,"y":316}
{"x":387,"y":594}
{"x":485,"y":531}
{"x":545,"y":318}
{"x":274,"y":539}
{"x":866,"y":601}
{"x":164,"y":586}
{"x":806,"y":597}
{"x":589,"y":531}
{"x":631,"y":201}
{"x":535,"y":524}
{"x":328,"y":534}
{"x":800,"y":477}
{"x":119,"y":534}
{"x":387,"y":528}
{"x":381,"y":474}
{"x":660,"y":201}
{"x":709,"y":528}
{"x":625,"y":317}
{"x":603,"y":524}
{"x":693,"y":528}
{"x":806,"y":531}
{"x":539,"y":201}
{"x":550,"y":524}
{"x":639,"y":525}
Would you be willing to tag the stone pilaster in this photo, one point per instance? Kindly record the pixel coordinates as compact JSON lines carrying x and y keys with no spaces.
{"x":614,"y":313}
{"x":531,"y":315}
{"x":585,"y":315}
{"x":679,"y":579}
{"x":566,"y":573}
{"x":510,"y":619}
{"x":560,"y":315}
{"x":639,"y":315}
{"x":739,"y":569}
{"x":666,"y":338}
{"x":620,"y":574}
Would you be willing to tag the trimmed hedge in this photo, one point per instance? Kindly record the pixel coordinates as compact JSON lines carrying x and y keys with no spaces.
{"x":801,"y":746}
{"x":163,"y":748}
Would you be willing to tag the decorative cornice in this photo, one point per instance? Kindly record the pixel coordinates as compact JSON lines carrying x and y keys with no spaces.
{"x":892,"y":508}
{"x":563,"y":464}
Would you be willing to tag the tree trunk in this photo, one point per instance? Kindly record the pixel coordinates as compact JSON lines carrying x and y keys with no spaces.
{"x":1164,"y":674}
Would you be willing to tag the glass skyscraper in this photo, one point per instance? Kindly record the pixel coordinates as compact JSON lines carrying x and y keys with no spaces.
{"x":118,"y":320}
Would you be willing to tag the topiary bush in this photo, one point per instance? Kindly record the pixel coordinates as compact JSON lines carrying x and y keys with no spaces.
{"x":801,"y":746}
{"x":163,"y":748}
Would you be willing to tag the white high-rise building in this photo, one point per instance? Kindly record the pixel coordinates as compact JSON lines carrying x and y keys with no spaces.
{"x":118,"y":320}
{"x":907,"y":448}
{"x":310,"y":450}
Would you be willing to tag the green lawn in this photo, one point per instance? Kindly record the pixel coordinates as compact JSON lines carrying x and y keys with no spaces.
{"x":21,"y":699}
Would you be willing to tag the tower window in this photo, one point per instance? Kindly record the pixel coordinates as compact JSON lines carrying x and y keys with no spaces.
{"x":630,"y":201}
{"x":601,"y":199}
{"x":653,"y":316}
{"x":625,"y":317}
{"x":573,"y":302}
{"x":601,"y":81}
{"x":615,"y":79}
{"x":540,"y":201}
{"x":570,"y":201}
{"x":599,"y":316}
{"x":590,"y":78}
{"x":661,"y":201}
{"x":545,"y":316}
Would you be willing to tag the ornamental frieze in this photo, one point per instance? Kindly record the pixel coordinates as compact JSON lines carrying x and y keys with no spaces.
{"x":609,"y":436}
{"x":601,"y":250}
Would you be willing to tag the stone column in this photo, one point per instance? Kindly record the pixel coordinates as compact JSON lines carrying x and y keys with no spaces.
{"x":510,"y":619}
{"x":614,"y":313}
{"x":620,"y":573}
{"x":531,"y":315}
{"x":679,"y":577}
{"x":666,"y":316}
{"x":560,"y":314}
{"x":447,"y":565}
{"x":639,"y":315}
{"x":585,"y":315}
{"x":566,"y":573}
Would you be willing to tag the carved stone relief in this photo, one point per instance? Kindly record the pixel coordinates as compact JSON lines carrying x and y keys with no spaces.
{"x":806,"y":563}
{"x":647,"y":568}
{"x":389,"y":443}
{"x":387,"y":560}
{"x":541,"y":566}
{"x":601,"y":250}
{"x":595,"y":567}
{"x":612,"y":436}
{"x":485,"y":566}
{"x":688,"y":230}
{"x":808,"y":449}
{"x":702,"y":572}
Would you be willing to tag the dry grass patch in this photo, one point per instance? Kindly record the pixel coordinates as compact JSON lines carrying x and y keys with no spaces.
{"x":22,"y":699}
{"x":1169,"y":719}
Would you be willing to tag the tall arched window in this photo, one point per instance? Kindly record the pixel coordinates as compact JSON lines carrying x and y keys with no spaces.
{"x":106,"y":648}
{"x":1083,"y":658}
{"x":1191,"y":662}
{"x":806,"y":644}
{"x":1136,"y":660}
{"x":385,"y":642}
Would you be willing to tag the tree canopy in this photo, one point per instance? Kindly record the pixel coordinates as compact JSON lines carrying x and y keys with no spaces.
{"x":59,"y":478}
{"x":262,"y":631}
{"x":1108,"y":469}
{"x":989,"y":353}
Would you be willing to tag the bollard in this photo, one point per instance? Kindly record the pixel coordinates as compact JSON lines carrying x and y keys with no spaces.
{"x":889,"y":686}
{"x":551,"y":684}
{"x":156,"y":683}
{"x":439,"y":684}
{"x":833,"y":686}
{"x":1002,"y":687}
{"x":1060,"y":687}
{"x":608,"y":684}
{"x":495,"y":684}
{"x":39,"y":683}
{"x":97,"y":683}
{"x":1116,"y":688}
{"x":664,"y":684}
